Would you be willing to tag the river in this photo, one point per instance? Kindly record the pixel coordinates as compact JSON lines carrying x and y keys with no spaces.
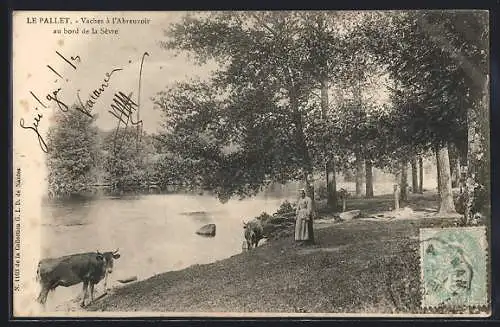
{"x":154,"y":233}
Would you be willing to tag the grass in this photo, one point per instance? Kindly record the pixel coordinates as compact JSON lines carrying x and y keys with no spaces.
{"x":359,"y":266}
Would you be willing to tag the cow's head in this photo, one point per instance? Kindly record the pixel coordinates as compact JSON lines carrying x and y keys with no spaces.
{"x":108,"y":258}
{"x":248,"y":230}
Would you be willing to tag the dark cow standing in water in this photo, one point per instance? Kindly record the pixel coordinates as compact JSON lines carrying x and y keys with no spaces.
{"x":253,"y":233}
{"x":89,"y":268}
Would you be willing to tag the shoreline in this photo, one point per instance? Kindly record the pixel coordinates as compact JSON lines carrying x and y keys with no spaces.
{"x":281,"y":277}
{"x":366,"y":265}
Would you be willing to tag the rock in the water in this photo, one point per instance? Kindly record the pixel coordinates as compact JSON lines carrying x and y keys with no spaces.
{"x":207,"y":230}
{"x":349,"y":215}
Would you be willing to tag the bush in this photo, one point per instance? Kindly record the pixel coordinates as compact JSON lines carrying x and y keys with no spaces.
{"x":479,"y":202}
{"x":263,"y":217}
{"x":285,"y":208}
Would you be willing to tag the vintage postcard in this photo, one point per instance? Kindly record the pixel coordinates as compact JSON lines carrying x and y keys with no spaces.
{"x":251,"y":163}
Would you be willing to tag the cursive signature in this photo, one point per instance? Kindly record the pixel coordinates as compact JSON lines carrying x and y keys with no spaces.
{"x":54,"y":97}
{"x":86,"y":107}
{"x":123,"y":107}
{"x":34,"y":128}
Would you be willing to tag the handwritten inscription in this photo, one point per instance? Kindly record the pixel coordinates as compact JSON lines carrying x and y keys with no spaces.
{"x":54,"y":98}
{"x":86,"y":107}
{"x":122,"y":107}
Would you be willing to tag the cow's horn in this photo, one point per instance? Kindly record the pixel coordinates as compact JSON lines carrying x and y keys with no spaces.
{"x":116,"y":251}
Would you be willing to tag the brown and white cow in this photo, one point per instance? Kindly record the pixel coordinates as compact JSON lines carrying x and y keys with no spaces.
{"x":89,"y":268}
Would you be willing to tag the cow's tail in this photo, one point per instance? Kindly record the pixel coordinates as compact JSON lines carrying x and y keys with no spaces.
{"x":38,"y":278}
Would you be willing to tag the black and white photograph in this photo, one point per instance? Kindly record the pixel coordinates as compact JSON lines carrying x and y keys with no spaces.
{"x":251,"y":163}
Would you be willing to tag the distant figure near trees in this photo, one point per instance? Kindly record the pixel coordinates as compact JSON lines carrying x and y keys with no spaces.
{"x":304,"y":233}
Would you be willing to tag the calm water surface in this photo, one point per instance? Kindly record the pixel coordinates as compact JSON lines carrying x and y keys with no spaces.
{"x":155,"y":233}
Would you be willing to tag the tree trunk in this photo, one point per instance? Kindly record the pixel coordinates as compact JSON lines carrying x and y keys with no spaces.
{"x":421,"y":175}
{"x":458,"y":169}
{"x":404,"y":180}
{"x":369,"y":178}
{"x":454,"y":159}
{"x":453,"y":170}
{"x":478,"y":183}
{"x":414,"y":176}
{"x":300,"y":140}
{"x":359,"y":175}
{"x":397,"y":191}
{"x":309,"y":187}
{"x":331,"y":183}
{"x":447,"y":205}
{"x":438,"y":173}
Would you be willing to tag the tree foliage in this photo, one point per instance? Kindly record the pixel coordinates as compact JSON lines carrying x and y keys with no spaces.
{"x":262,"y":98}
{"x":128,"y":159}
{"x":264,"y":84}
{"x":438,"y":67}
{"x":73,"y":153}
{"x":269,"y":113}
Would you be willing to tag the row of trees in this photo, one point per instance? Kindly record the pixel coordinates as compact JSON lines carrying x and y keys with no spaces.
{"x":290,"y":97}
{"x":297,"y":95}
{"x":81,"y":157}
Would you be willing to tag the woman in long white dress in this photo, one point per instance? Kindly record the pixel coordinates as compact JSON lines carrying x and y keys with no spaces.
{"x":304,"y":219}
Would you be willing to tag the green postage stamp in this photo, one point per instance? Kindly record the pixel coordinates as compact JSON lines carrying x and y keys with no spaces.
{"x":454,"y":267}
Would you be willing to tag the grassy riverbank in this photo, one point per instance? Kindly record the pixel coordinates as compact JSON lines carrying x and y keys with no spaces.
{"x":363,"y":265}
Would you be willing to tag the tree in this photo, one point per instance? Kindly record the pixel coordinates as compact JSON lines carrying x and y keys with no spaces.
{"x":404,"y":180}
{"x":369,"y":178}
{"x":464,"y":36}
{"x":445,"y":193}
{"x":266,"y":88}
{"x":72,"y":154}
{"x":441,"y":67}
{"x":326,"y":36}
{"x":126,"y":156}
{"x":414,"y":174}
{"x":421,"y":175}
